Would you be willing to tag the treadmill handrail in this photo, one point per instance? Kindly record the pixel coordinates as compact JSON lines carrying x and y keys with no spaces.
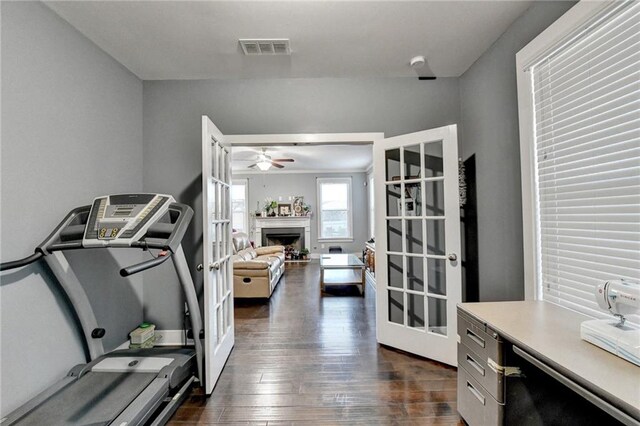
{"x":185,"y":213}
{"x":21,"y":262}
{"x":147,"y":264}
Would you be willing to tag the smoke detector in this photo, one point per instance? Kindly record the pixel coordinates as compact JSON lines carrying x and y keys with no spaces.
{"x":275,"y":46}
{"x":417,"y":62}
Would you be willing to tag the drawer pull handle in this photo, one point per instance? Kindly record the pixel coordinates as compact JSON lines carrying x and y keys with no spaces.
{"x":473,"y":336}
{"x":475,"y":364}
{"x":475,"y":393}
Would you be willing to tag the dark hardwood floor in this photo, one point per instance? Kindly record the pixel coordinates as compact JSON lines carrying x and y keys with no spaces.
{"x":304,"y":359}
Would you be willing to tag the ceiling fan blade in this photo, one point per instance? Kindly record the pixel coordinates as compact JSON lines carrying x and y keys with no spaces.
{"x":280,"y":166}
{"x":283,"y":160}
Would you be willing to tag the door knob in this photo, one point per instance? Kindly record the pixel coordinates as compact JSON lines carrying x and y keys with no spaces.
{"x":199,"y":267}
{"x":452,"y":257}
{"x":215,"y":266}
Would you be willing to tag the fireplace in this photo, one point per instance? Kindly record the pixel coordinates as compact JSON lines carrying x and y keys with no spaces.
{"x":283,"y":230}
{"x":284,"y":236}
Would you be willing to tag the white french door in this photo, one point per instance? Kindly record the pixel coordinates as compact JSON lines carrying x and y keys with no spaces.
{"x":418,"y":274}
{"x":217,"y":252}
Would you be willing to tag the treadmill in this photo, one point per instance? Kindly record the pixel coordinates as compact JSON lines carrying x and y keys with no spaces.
{"x":130,"y":386}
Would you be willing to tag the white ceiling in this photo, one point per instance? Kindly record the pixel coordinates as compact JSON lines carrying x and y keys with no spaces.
{"x":308,"y":158}
{"x":198,"y":40}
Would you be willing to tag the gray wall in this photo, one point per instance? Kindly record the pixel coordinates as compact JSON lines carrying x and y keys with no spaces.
{"x":489,"y":129}
{"x":172,"y":135}
{"x":283,"y":185}
{"x":72,"y":130}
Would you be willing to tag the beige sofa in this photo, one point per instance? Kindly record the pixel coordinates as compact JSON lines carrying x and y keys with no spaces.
{"x":256,"y":272}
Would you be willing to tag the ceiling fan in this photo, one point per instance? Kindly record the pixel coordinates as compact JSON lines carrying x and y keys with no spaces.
{"x":264,"y":161}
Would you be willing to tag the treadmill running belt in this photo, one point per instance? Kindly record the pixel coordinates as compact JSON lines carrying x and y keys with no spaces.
{"x":94,"y":399}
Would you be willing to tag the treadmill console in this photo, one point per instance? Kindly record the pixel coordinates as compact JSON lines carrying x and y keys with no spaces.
{"x":119,"y":220}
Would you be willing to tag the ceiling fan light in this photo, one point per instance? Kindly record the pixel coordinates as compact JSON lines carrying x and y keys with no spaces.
{"x":263,"y":165}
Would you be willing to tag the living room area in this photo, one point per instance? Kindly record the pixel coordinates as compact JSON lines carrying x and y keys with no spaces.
{"x":297,"y":205}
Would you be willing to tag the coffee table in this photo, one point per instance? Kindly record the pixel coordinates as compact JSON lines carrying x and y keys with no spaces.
{"x":341,"y":269}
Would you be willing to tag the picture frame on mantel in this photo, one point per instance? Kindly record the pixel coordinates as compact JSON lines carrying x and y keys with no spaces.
{"x":284,"y":209}
{"x":297,"y":205}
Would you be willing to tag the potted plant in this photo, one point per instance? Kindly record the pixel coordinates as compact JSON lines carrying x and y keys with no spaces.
{"x":306,"y":208}
{"x":270,"y":207}
{"x":304,"y":254}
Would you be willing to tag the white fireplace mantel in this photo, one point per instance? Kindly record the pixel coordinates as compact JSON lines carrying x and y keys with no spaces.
{"x":259,"y":223}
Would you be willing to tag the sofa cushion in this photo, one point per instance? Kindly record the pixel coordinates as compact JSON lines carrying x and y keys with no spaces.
{"x":240,"y":241}
{"x":269,"y":250}
{"x":247,"y":254}
{"x":272,"y":258}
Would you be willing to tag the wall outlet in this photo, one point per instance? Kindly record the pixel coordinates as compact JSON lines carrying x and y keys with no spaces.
{"x":321,"y":245}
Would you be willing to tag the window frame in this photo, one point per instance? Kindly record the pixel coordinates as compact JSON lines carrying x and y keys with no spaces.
{"x":545,"y":43}
{"x":349,"y":181}
{"x":245,"y":182}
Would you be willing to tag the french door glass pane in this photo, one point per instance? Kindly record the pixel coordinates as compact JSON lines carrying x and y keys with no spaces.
{"x":437,"y":315}
{"x":412,"y":164}
{"x":415,"y":310}
{"x":413,"y":199}
{"x":436,"y":276}
{"x":392,"y":162}
{"x":393,"y":200}
{"x":435,"y":237}
{"x":394,"y":235}
{"x":434,"y":198}
{"x":415,"y":273}
{"x":433,"y":159}
{"x":414,"y":236}
{"x":396,"y":307}
{"x":407,"y":237}
{"x":394,"y":268}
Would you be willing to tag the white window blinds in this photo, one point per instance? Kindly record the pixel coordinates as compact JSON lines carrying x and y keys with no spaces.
{"x":587,"y":124}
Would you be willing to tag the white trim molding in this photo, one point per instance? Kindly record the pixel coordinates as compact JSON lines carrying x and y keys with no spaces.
{"x":305,"y":139}
{"x":556,"y":35}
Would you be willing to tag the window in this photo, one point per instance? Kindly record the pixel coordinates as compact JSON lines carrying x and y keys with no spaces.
{"x":334,"y":212}
{"x":581,"y":139}
{"x":239,"y":204}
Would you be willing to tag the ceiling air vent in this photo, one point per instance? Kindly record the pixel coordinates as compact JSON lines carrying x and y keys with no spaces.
{"x":278,"y":46}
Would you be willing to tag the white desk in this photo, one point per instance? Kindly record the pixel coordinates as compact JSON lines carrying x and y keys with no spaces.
{"x":552,"y":335}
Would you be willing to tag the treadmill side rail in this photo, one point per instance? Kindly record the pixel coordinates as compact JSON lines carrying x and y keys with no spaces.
{"x":143,"y":407}
{"x":20,"y":412}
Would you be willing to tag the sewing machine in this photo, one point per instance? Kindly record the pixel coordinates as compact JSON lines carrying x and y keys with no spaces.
{"x":622,"y":338}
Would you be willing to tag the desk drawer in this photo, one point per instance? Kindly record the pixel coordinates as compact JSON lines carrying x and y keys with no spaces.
{"x":477,"y":367}
{"x":481,"y":339}
{"x":475,"y":404}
